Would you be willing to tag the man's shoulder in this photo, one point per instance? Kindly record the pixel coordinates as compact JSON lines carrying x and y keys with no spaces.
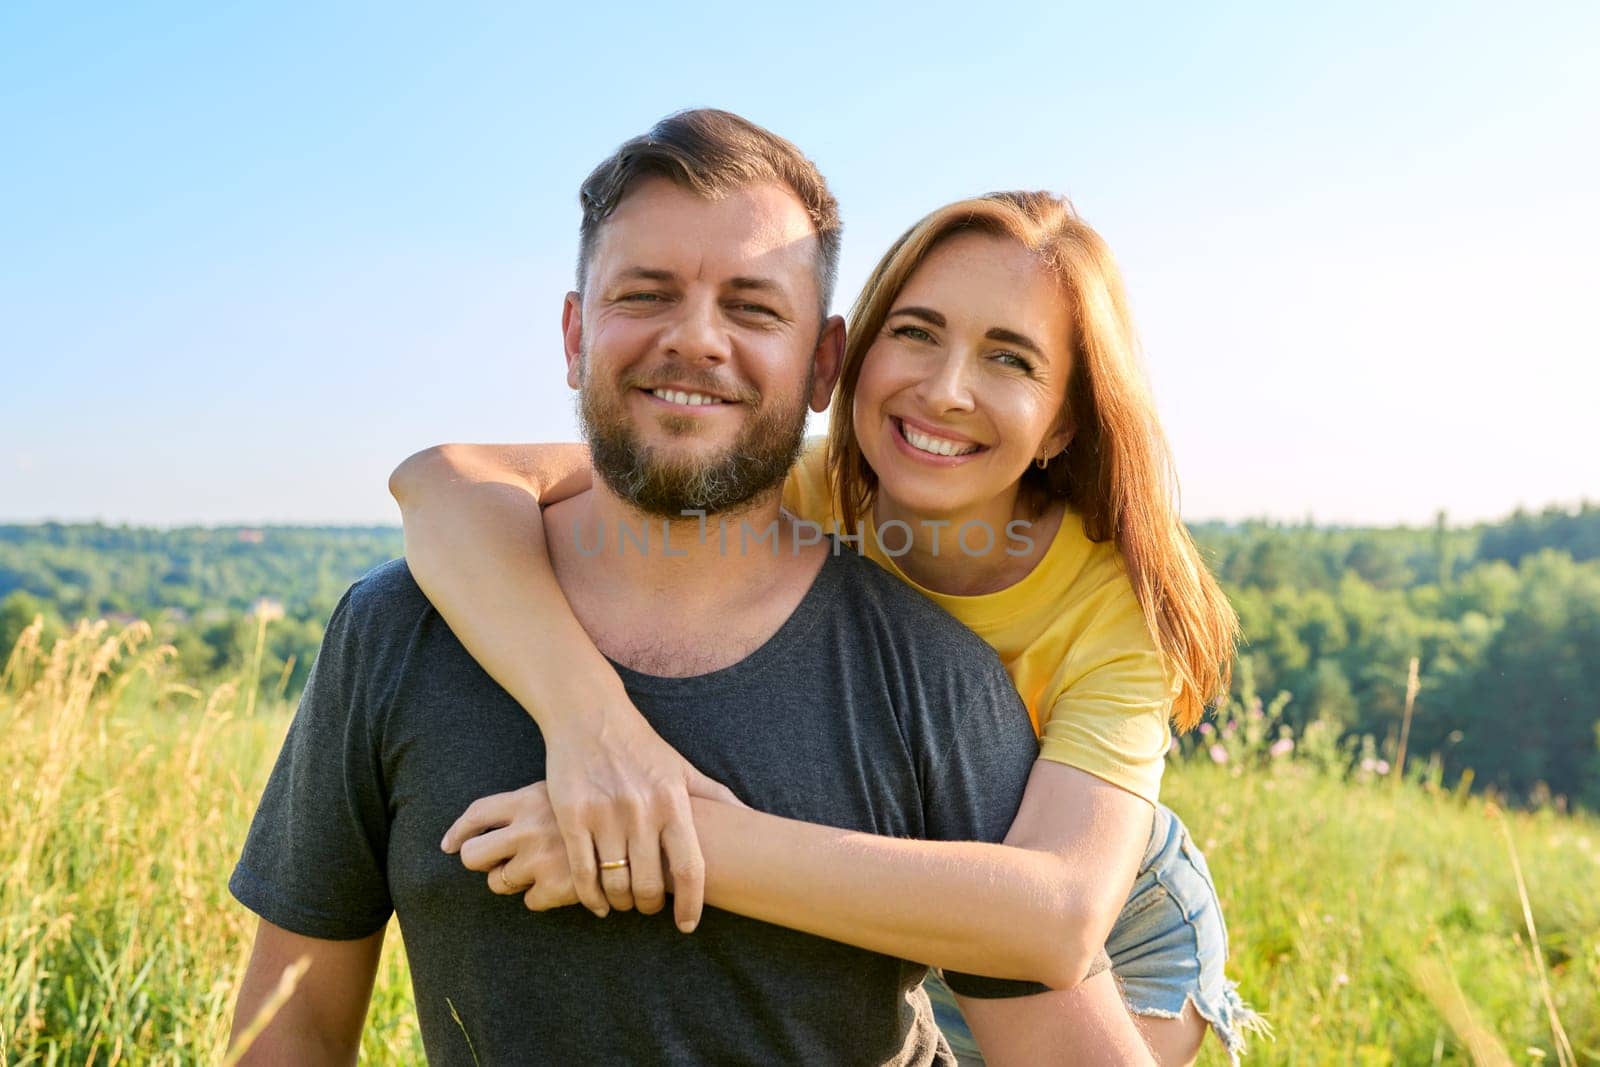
{"x":384,"y":625}
{"x":382,"y":605}
{"x":387,"y":591}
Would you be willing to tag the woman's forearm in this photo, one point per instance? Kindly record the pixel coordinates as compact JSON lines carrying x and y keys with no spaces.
{"x":980,"y":908}
{"x":475,"y":542}
{"x":550,"y":473}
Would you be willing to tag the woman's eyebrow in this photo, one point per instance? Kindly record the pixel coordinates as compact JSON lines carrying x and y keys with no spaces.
{"x":928,"y":315}
{"x":1011,"y":337}
{"x":998,"y":333}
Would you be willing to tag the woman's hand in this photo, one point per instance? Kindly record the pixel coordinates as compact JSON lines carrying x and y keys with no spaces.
{"x":627,"y":798}
{"x":513,"y":836}
{"x":619,"y":792}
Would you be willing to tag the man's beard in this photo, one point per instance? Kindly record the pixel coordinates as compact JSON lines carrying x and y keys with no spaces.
{"x":767,"y":446}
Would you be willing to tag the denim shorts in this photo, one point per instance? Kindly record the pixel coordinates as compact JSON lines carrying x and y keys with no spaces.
{"x":1167,"y":948}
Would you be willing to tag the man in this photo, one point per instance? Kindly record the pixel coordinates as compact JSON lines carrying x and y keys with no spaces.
{"x":696,"y":340}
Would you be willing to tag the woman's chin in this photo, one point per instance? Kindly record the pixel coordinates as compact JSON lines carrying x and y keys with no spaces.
{"x":921,"y":501}
{"x":931,"y":491}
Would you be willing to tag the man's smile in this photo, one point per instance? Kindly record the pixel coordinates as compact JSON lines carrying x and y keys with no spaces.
{"x":686,"y":398}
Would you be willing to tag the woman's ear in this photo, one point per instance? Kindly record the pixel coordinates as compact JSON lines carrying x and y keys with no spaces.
{"x":1058,"y":440}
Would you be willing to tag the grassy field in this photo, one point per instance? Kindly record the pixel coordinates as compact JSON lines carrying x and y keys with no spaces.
{"x":1374,"y":922}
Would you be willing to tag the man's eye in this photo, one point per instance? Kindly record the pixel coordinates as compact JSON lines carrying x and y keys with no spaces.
{"x":643,"y":298}
{"x":754,"y":309}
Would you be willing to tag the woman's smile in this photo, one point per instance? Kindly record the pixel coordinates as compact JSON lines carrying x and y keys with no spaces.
{"x":931,"y":444}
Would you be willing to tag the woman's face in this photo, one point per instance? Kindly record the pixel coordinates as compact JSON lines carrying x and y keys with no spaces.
{"x":964,"y":385}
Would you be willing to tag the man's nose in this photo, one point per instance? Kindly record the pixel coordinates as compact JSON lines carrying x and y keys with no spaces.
{"x":948,"y":387}
{"x":697,"y":333}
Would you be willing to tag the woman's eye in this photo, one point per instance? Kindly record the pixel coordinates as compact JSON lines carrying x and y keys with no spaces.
{"x":913,"y":333}
{"x":1011,"y":359}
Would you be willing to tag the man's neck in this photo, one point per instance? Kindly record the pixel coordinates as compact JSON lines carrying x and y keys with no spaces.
{"x":679,"y":597}
{"x":688,"y":559}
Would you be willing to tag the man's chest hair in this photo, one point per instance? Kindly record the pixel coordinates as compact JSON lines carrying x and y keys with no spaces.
{"x":677,"y":655}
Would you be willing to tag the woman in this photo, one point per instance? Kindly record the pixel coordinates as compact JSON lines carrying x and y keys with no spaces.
{"x":989,"y":384}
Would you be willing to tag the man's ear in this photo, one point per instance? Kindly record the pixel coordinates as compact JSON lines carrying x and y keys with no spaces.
{"x":572,"y":337}
{"x":828,"y":360}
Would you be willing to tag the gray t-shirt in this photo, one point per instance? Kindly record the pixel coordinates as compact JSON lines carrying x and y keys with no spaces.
{"x":869,"y":709}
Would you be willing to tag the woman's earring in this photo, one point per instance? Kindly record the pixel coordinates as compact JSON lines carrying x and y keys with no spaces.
{"x":1041,"y":462}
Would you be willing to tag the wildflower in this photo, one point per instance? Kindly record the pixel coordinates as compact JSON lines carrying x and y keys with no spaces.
{"x":1382,"y":766}
{"x":1369,"y":764}
{"x":1219,"y":754}
{"x":1172,"y":744}
{"x":1282,"y":747}
{"x":1230,"y":729}
{"x":1206,"y":729}
{"x":1341,"y":979}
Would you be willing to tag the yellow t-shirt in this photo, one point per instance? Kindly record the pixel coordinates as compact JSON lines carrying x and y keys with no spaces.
{"x":1071,"y":634}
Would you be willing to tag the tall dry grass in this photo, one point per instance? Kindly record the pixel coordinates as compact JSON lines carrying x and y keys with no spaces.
{"x":126,"y":795}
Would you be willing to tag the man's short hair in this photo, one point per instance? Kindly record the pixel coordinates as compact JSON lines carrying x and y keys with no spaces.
{"x":711,"y":153}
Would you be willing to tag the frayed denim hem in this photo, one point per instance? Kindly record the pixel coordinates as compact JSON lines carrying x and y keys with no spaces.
{"x":1231,"y":1019}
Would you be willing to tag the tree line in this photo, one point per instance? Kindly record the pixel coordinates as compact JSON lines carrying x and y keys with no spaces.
{"x":1503,"y":618}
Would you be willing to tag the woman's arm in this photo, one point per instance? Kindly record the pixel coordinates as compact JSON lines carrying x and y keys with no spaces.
{"x":475,"y":543}
{"x":549,"y":473}
{"x":1088,"y":1025}
{"x":1038,"y":908}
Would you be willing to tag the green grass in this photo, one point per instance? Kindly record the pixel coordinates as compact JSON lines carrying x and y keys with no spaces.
{"x":1341,"y":897}
{"x":1373,"y":924}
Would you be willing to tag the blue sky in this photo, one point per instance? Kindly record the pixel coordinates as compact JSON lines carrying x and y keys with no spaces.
{"x":252,"y":255}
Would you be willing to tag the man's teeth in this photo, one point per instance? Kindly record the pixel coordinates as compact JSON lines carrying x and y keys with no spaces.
{"x":938,"y":446}
{"x":679,"y":397}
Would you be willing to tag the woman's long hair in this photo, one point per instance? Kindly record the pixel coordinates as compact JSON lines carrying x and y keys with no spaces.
{"x":1116,"y":473}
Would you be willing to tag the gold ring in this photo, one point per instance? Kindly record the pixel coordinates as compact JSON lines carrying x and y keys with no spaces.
{"x":613,"y":865}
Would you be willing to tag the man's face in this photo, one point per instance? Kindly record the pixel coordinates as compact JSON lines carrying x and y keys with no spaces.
{"x":693,"y":347}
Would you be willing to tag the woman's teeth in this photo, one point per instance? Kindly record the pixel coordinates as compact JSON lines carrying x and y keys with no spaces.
{"x":937,"y":446}
{"x":679,"y":397}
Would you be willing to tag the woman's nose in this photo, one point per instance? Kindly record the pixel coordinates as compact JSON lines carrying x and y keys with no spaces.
{"x":947,"y":387}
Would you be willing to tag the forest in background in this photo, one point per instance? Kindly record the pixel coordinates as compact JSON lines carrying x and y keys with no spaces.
{"x":1503,"y":619}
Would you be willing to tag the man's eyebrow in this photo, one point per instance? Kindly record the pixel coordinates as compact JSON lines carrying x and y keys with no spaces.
{"x":646,"y":274}
{"x":656,"y":274}
{"x":761,"y":285}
